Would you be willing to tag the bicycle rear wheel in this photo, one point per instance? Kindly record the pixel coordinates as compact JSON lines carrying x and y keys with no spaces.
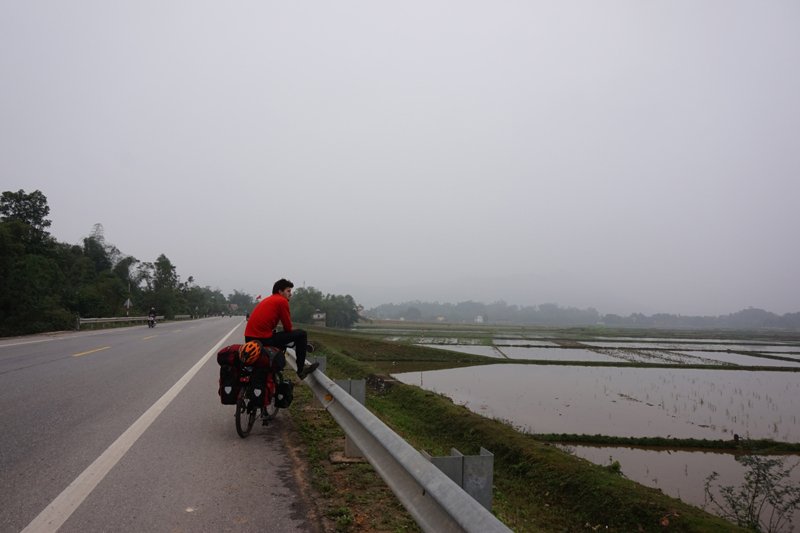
{"x":245,"y":416}
{"x":270,"y":410}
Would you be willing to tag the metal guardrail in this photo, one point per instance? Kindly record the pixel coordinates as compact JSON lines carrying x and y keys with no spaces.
{"x":435,"y":501}
{"x":122,"y":319}
{"x":117,"y":319}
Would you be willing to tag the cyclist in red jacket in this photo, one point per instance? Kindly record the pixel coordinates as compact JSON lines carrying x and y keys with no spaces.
{"x":264,"y":319}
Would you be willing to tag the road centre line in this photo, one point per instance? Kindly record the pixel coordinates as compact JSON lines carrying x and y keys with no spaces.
{"x":150,"y":337}
{"x":91,"y":351}
{"x":61,"y":508}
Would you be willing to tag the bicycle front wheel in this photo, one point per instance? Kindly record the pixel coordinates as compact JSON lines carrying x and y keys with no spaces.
{"x":245,"y":416}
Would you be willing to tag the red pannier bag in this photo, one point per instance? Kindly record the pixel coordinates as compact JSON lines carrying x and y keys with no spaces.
{"x":229,"y":355}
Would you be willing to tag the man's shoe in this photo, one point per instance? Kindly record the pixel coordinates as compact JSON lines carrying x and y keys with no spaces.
{"x":307,"y":370}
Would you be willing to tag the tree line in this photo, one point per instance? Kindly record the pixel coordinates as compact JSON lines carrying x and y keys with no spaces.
{"x":553,"y":315}
{"x":497,"y":313}
{"x":46,"y":284}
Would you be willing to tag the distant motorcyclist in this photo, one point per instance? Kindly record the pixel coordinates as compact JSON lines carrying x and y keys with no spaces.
{"x":151,"y":317}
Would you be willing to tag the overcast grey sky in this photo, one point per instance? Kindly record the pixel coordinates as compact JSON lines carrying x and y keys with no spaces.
{"x":625,"y":155}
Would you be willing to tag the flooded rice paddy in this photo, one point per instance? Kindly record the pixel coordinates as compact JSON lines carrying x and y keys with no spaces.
{"x":741,"y":360}
{"x":628,"y":402}
{"x":635,"y":402}
{"x":666,"y":354}
{"x":488,"y":351}
{"x":537,"y":342}
{"x":679,"y":474}
{"x":761,"y":348}
{"x":549,"y":354}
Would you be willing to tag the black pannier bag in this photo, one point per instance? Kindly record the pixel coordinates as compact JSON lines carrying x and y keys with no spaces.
{"x":284,"y":394}
{"x":258,"y":388}
{"x":276,"y":358}
{"x":229,"y":384}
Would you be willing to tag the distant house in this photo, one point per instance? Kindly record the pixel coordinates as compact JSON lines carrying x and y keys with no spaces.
{"x":318,"y":318}
{"x":479,"y":319}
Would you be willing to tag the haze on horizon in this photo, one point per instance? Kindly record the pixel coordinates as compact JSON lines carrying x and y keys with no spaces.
{"x":627,"y":156}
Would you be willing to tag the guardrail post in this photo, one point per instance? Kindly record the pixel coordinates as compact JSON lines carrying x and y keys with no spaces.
{"x":473,"y":473}
{"x":479,"y":477}
{"x":357,"y":388}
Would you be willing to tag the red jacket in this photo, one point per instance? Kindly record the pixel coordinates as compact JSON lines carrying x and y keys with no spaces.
{"x":266,"y":315}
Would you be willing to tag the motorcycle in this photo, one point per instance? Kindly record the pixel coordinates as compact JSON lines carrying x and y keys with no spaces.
{"x":151,"y":321}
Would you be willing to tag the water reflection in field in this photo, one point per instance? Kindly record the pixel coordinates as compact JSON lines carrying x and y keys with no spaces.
{"x":555,"y":354}
{"x":548,"y":354}
{"x":488,"y":351}
{"x":638,"y":402}
{"x":741,"y":360}
{"x":537,"y":342}
{"x":761,"y":348}
{"x":678,"y":474}
{"x":626,"y":354}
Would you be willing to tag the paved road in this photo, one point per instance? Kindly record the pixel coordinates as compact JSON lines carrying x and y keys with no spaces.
{"x":122,"y":430}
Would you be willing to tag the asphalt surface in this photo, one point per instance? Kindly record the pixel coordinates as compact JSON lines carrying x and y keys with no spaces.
{"x":122,"y":430}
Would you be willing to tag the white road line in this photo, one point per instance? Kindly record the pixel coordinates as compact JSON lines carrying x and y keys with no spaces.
{"x":25,"y":342}
{"x":54,"y":515}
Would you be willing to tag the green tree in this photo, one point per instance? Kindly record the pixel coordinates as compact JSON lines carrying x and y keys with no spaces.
{"x":30,"y":277}
{"x":243,"y":301}
{"x":340,"y":311}
{"x":165,"y":286}
{"x":413,"y":313}
{"x":766,"y":500}
{"x":304,"y":302}
{"x":217,"y":303}
{"x":96,"y":253}
{"x":145,"y":274}
{"x":165,"y":276}
{"x":30,"y":210}
{"x":11,"y":252}
{"x":196,"y":301}
{"x":123,"y":270}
